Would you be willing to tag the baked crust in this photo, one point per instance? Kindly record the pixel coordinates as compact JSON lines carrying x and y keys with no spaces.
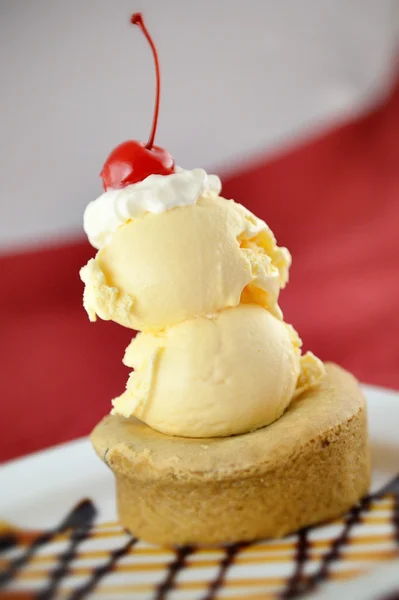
{"x":309,"y":466}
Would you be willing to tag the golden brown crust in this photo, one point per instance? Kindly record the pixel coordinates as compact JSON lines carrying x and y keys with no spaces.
{"x":310,"y":465}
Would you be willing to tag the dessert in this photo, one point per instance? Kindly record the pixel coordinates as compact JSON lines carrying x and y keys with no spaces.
{"x":225,"y":431}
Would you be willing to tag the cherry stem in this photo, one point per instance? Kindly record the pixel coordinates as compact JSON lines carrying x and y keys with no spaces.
{"x":137,"y":19}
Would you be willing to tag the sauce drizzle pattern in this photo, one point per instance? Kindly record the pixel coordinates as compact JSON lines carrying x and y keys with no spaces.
{"x":78,"y":525}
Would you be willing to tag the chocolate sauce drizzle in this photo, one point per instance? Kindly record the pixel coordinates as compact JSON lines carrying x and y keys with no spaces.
{"x":226,"y":562}
{"x":303,"y":547}
{"x":300,"y":584}
{"x":100,"y":572}
{"x":79,"y":523}
{"x":174,"y":568}
{"x":392,"y":596}
{"x":7,"y":542}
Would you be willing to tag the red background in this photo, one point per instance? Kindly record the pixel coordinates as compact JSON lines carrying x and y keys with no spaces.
{"x":334,"y":202}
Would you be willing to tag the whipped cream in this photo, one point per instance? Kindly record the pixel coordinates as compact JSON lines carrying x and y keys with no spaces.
{"x":155,"y":194}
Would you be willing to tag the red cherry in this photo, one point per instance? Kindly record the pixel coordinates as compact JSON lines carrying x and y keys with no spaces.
{"x":133,"y":161}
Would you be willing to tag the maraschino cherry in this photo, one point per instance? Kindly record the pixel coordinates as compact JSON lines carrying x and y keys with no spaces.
{"x":133,"y":161}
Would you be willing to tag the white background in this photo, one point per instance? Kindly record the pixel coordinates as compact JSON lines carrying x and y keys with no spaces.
{"x":239,"y":78}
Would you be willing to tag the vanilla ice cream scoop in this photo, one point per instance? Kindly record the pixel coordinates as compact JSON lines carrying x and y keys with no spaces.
{"x":210,"y":377}
{"x":176,"y":250}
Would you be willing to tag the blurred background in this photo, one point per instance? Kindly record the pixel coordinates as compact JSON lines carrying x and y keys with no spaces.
{"x":294,"y":103}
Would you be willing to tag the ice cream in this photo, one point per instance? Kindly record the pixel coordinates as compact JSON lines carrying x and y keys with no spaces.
{"x":184,"y":257}
{"x":209,"y":377}
{"x":200,"y":277}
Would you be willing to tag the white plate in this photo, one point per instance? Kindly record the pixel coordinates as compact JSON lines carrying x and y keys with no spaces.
{"x":39,"y":490}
